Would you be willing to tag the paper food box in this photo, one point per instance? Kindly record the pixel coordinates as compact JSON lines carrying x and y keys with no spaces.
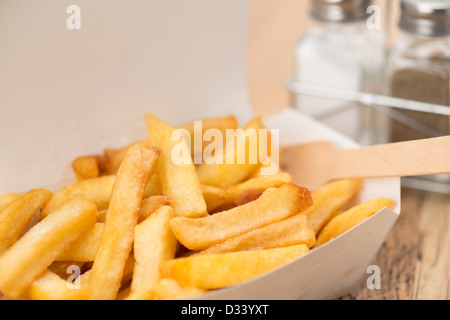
{"x":71,"y":90}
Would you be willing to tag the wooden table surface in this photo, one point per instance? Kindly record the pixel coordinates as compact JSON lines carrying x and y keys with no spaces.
{"x":415,"y":259}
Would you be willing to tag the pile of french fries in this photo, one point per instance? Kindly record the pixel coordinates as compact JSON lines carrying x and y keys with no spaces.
{"x":137,"y":226}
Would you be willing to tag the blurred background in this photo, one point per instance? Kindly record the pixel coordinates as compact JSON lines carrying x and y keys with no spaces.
{"x":285,"y":43}
{"x":376,"y":70}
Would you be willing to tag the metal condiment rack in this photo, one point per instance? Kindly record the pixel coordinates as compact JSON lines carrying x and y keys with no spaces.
{"x":386,"y":105}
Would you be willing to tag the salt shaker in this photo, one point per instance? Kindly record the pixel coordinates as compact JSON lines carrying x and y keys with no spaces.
{"x":339,"y":51}
{"x":418,"y":68}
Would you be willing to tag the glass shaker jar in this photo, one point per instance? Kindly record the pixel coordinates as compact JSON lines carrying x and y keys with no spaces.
{"x":339,"y":51}
{"x":418,"y":68}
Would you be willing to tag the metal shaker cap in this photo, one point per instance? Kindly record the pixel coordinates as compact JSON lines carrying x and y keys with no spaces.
{"x":426,"y":18}
{"x":340,"y":10}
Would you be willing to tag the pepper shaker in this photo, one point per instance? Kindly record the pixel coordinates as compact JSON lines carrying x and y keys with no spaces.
{"x":418,"y":68}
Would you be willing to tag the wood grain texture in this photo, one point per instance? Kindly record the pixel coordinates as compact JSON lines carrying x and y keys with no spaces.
{"x":414,"y":261}
{"x":433,"y":269}
{"x":319,"y":162}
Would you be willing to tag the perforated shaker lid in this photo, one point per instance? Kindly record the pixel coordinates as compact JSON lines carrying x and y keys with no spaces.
{"x":340,"y":10}
{"x":426,"y":18}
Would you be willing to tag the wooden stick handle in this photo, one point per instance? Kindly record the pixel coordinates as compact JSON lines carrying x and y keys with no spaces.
{"x":411,"y":158}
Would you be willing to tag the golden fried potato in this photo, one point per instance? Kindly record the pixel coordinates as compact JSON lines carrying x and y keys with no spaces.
{"x":152,"y":204}
{"x":85,"y":247}
{"x":178,"y":180}
{"x":274,"y":205}
{"x":214,"y":197}
{"x":61,"y":268}
{"x":329,"y":199}
{"x":123,"y":212}
{"x":29,"y":257}
{"x":227,"y":269}
{"x":288,"y":232}
{"x":169,"y":289}
{"x":86,"y":167}
{"x":49,"y":286}
{"x":222,"y":124}
{"x":351,"y":218}
{"x":154,"y":243}
{"x":237,"y":194}
{"x":247,"y":196}
{"x":110,"y":161}
{"x":15,"y":218}
{"x":236,"y":158}
{"x":7,"y":198}
{"x":97,"y":190}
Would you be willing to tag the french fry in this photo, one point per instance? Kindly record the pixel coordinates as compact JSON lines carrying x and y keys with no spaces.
{"x":329,"y":199}
{"x":274,"y":205}
{"x":124,"y":290}
{"x":49,"y":286}
{"x":22,"y":263}
{"x":110,"y":161}
{"x":101,"y":215}
{"x":148,"y":206}
{"x":178,"y":179}
{"x":7,"y":198}
{"x":122,"y":217}
{"x":124,"y":293}
{"x":259,"y":184}
{"x":169,"y":289}
{"x":153,"y":243}
{"x":214,"y":197}
{"x":350,"y":218}
{"x":221,"y":124}
{"x":227,"y":269}
{"x":275,"y":166}
{"x":15,"y":218}
{"x":97,"y":190}
{"x":288,"y":232}
{"x":85,"y":247}
{"x":152,"y":204}
{"x":128,"y":269}
{"x":61,"y":268}
{"x":86,"y":167}
{"x":153,"y":187}
{"x":247,"y":196}
{"x":232,"y":171}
